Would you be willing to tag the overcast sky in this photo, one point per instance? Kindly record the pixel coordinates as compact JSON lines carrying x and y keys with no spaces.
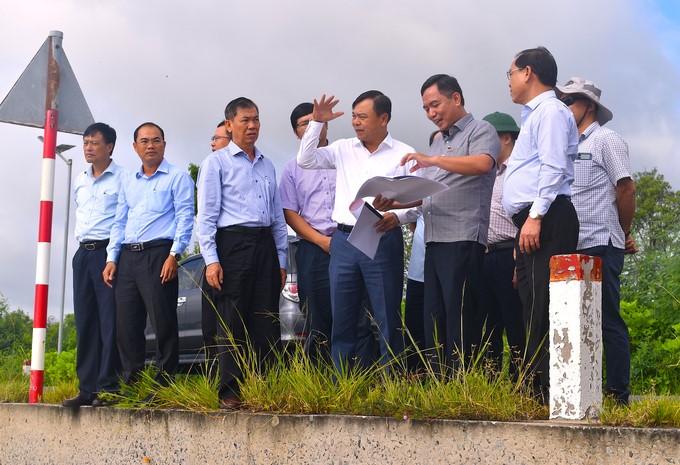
{"x":179,"y":63}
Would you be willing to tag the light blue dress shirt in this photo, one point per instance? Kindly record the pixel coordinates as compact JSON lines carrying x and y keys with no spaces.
{"x":541,"y":166}
{"x":160,"y":206}
{"x":235,"y":191}
{"x":96,"y":200}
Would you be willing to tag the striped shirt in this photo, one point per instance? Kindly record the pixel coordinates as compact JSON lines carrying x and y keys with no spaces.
{"x":501,"y":227}
{"x":235,"y":191}
{"x":601,"y":162}
{"x":461,"y":213}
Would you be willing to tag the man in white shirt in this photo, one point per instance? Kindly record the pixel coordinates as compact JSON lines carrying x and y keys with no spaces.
{"x":372,"y":153}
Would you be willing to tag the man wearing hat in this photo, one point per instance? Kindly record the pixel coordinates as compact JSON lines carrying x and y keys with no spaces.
{"x":603,"y":194}
{"x":500,"y":307}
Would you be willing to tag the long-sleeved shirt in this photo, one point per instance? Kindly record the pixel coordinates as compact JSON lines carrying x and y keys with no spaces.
{"x":160,"y":206}
{"x":96,"y":200}
{"x":235,"y":191}
{"x":541,"y":166}
{"x":309,"y":193}
{"x":354,"y":164}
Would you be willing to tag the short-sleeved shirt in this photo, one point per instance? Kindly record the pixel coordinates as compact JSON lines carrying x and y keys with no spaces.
{"x":461,"y":213}
{"x":309,"y":193}
{"x":602,"y":160}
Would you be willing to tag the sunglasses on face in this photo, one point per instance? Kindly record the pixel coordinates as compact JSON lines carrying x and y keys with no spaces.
{"x":570,"y":100}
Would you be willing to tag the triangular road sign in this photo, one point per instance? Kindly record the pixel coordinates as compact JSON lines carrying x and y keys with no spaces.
{"x":27,"y":101}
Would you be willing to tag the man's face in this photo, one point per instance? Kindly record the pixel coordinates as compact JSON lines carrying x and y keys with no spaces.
{"x":577,"y":103}
{"x":443,"y":111}
{"x":150,"y":145}
{"x":220,"y":139}
{"x":245,"y":127}
{"x":366,"y":123}
{"x":95,"y":149}
{"x":518,"y":84}
{"x":303,"y":122}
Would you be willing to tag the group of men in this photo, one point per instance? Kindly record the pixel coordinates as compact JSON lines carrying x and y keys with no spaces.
{"x":516,"y":196}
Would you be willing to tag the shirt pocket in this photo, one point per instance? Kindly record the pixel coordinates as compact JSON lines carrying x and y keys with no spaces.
{"x":159,"y":201}
{"x":106,"y":202}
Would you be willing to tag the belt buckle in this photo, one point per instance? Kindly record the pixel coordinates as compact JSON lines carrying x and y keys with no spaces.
{"x":137,"y":247}
{"x":89,"y":246}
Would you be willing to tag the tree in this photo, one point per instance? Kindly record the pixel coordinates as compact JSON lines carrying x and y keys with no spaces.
{"x":16,"y":329}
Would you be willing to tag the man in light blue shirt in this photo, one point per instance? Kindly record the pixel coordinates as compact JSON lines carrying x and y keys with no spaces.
{"x":244,"y":242}
{"x":95,"y":193}
{"x":536,"y":194}
{"x":154,"y":219}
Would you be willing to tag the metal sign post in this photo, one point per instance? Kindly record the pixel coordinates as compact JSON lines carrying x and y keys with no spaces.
{"x":28,"y":106}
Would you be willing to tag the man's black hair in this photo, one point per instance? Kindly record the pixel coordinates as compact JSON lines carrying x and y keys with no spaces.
{"x":542,"y":64}
{"x":233,"y":107}
{"x":381,"y":102}
{"x":447,"y":85}
{"x":299,"y":111}
{"x":107,"y":132}
{"x":148,"y":123}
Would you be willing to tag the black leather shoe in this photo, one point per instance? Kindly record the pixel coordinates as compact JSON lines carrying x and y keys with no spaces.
{"x":99,"y":402}
{"x":78,"y":401}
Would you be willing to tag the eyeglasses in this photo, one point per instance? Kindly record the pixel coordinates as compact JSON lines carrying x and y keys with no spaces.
{"x":509,"y":72}
{"x":302,"y":124}
{"x":155,"y":141}
{"x":216,"y":138}
{"x":570,"y":100}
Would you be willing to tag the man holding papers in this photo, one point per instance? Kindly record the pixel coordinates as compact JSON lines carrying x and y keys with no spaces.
{"x":372,"y":153}
{"x":456,"y":220}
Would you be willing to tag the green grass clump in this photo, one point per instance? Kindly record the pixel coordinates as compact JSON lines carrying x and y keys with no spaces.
{"x":646,"y":412}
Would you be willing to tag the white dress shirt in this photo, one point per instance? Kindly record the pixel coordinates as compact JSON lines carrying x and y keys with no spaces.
{"x":354,"y":165}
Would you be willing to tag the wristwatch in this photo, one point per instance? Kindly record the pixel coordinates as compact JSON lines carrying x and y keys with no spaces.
{"x":535,"y":215}
{"x":175,"y":255}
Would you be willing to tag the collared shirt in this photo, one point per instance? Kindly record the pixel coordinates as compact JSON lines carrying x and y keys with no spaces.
{"x":541,"y":165}
{"x":461,"y":213}
{"x":96,"y":200}
{"x":354,"y":164}
{"x":309,"y":193}
{"x":501,"y":227}
{"x":235,"y":191}
{"x":160,"y":206}
{"x":601,"y":162}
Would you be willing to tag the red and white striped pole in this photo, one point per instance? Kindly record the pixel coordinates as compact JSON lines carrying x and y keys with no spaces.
{"x":42,"y":273}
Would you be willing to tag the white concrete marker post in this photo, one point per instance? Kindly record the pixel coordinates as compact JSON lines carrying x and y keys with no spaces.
{"x":575,"y":337}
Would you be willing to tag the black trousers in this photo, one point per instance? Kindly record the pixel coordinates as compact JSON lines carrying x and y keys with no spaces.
{"x":94,"y":305}
{"x":559,"y":235}
{"x":452,"y":272}
{"x":500,"y":309}
{"x":248,"y":306}
{"x":139,"y":293}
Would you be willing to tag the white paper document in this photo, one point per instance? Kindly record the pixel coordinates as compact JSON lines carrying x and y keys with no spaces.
{"x":364,"y":236}
{"x":403,"y":189}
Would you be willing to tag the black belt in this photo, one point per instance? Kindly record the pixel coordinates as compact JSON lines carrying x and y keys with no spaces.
{"x":94,"y":245}
{"x":509,"y":244}
{"x":345,"y":228}
{"x":248,"y":230}
{"x":139,"y":246}
{"x":520,"y":217}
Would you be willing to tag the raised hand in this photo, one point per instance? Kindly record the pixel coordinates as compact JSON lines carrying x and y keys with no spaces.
{"x":323,"y":109}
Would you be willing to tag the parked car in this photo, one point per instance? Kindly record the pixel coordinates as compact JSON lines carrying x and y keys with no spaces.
{"x":189,"y":301}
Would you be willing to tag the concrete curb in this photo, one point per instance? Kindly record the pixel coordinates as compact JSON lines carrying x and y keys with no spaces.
{"x":48,"y":434}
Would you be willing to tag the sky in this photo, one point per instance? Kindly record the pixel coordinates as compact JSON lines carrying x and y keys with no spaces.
{"x":179,"y":63}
